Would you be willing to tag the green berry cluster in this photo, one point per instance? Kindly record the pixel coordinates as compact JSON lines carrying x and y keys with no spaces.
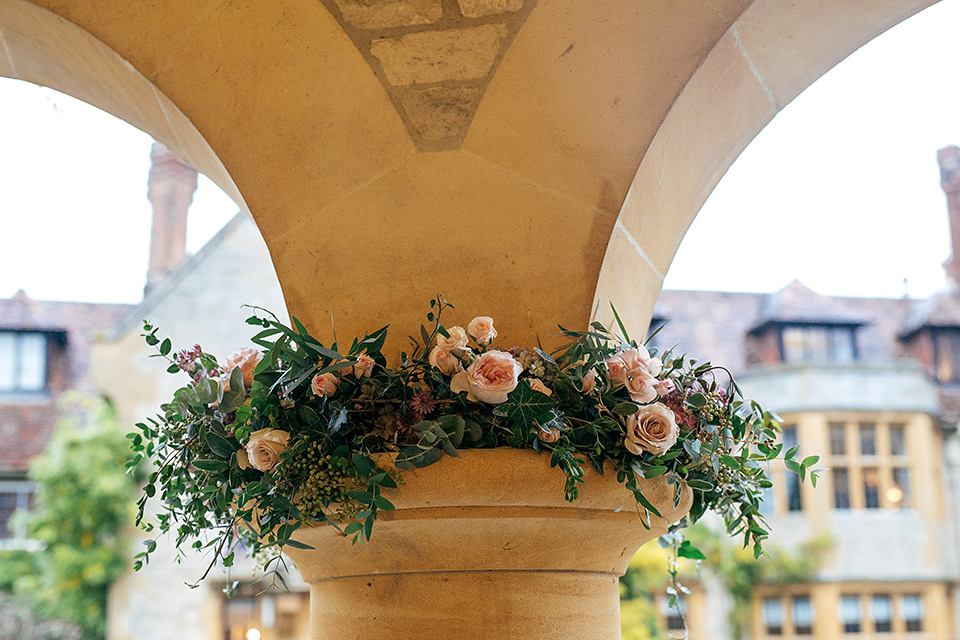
{"x":319,"y":480}
{"x":715,"y":409}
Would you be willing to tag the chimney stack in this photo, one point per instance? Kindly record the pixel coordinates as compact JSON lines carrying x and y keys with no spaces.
{"x":170,"y":191}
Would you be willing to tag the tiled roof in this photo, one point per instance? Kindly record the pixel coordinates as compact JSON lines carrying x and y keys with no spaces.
{"x":714,"y":325}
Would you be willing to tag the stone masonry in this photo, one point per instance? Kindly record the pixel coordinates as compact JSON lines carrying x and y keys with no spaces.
{"x":433,"y":57}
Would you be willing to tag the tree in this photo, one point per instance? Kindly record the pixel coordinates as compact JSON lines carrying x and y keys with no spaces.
{"x":84,"y":502}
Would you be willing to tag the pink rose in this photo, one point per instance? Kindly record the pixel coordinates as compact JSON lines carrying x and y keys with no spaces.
{"x":620,"y":364}
{"x":263,"y":449}
{"x":589,"y":381}
{"x":537,"y":385}
{"x":652,"y":429}
{"x":664,"y":387}
{"x":548,"y":436}
{"x":364,"y":366}
{"x":445,"y":361}
{"x":489,"y":378}
{"x":641,"y":385}
{"x":481,"y":328}
{"x":324,"y":384}
{"x":458,"y":338}
{"x":247,"y":359}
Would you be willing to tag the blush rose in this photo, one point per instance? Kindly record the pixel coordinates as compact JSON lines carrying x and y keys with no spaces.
{"x":489,"y":378}
{"x":652,"y":429}
{"x":481,"y":328}
{"x":445,"y":361}
{"x":457,"y":339}
{"x":263,"y":449}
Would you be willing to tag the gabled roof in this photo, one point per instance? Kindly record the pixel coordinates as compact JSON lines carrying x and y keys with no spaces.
{"x":797,"y":304}
{"x":939,"y":311}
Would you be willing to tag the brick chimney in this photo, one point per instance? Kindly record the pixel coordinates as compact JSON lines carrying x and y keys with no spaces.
{"x":949,"y":160}
{"x":170,"y":191}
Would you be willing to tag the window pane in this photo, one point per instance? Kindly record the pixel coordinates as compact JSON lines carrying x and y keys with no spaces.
{"x":850,"y":613}
{"x":802,"y":615}
{"x":675,"y":614}
{"x":32,"y":375}
{"x":946,"y":351}
{"x":868,"y":439}
{"x":8,"y":360}
{"x":841,"y":489}
{"x":899,"y":493}
{"x":898,"y":443}
{"x":881,"y":610}
{"x":794,"y":501}
{"x":793,"y":344}
{"x":8,"y":504}
{"x":840,"y":341}
{"x":871,"y":488}
{"x":838,"y":438}
{"x":773,"y":616}
{"x":912,"y":610}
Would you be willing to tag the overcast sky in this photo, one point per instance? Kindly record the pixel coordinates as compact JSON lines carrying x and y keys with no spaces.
{"x":841,"y":190}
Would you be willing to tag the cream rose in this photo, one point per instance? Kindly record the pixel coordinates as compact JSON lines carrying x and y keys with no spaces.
{"x":537,"y":385}
{"x":489,"y":378}
{"x":247,"y":359}
{"x":263,"y":449}
{"x":458,"y":339}
{"x":324,"y":384}
{"x":481,"y":328}
{"x":652,"y":429}
{"x":445,"y":361}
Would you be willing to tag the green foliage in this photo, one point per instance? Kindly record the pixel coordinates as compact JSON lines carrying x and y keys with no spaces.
{"x":233,"y":450}
{"x":83,"y":504}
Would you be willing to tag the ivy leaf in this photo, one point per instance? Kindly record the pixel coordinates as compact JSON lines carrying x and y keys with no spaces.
{"x":524,"y":405}
{"x":687,"y":550}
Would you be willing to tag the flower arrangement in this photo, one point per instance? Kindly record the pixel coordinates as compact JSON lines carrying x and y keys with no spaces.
{"x":286,"y":436}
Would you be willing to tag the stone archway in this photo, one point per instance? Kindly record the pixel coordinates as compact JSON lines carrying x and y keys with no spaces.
{"x":530,"y":159}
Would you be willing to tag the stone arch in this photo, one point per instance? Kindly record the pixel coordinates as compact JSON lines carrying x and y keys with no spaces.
{"x":745,"y":80}
{"x":593,"y":139}
{"x":41,"y":47}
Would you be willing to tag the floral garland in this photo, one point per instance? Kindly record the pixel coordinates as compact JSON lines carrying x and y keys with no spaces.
{"x":282,"y":437}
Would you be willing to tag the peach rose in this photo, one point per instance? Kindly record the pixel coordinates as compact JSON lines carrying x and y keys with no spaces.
{"x":652,"y":429}
{"x":458,"y":338}
{"x":549,"y":437}
{"x":263,"y":449}
{"x":324,"y":384}
{"x":589,"y":381}
{"x":247,"y":359}
{"x":445,"y":361}
{"x":537,"y":385}
{"x":489,"y":378}
{"x":481,"y":328}
{"x":363,"y":367}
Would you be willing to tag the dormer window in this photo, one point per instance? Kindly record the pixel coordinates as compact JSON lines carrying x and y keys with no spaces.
{"x":818,"y":343}
{"x":23,"y":361}
{"x":946,"y":354}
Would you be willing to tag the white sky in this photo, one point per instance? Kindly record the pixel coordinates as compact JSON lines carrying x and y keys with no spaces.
{"x":841,"y":190}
